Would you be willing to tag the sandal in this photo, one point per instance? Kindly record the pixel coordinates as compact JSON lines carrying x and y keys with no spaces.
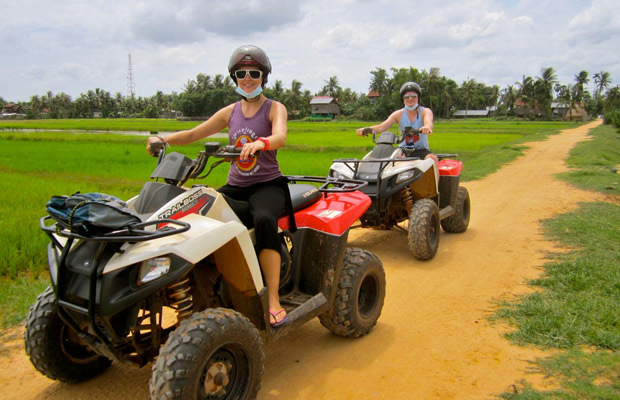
{"x":273,"y":318}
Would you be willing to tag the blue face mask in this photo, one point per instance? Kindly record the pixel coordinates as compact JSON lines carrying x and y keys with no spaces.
{"x":255,"y":93}
{"x":412,"y":108}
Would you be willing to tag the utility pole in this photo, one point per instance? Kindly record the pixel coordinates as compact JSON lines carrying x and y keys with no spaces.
{"x":131,"y":85}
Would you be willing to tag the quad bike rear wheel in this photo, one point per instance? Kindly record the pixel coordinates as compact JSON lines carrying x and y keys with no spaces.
{"x":54,"y":348}
{"x":459,"y":221}
{"x":423,"y":229}
{"x":360,"y":295}
{"x":216,"y":354}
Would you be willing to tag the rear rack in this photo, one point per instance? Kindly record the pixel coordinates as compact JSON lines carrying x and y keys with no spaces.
{"x":330,"y":184}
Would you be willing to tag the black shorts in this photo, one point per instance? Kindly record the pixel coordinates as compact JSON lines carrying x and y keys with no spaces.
{"x":267,"y":202}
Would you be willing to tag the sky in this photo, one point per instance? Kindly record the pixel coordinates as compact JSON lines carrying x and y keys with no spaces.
{"x":74,"y":46}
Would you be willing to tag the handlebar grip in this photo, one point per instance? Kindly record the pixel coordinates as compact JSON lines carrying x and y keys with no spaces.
{"x":367,"y":131}
{"x":156,"y":148}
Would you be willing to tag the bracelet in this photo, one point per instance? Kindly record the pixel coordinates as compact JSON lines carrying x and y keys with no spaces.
{"x":266,"y":141}
{"x":163,"y":140}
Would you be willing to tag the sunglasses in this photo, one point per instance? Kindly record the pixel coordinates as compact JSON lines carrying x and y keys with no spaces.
{"x":410,"y":96}
{"x":254,"y":73}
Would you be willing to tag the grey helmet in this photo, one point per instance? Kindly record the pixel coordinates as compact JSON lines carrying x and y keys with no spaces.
{"x":249,"y":55}
{"x":410,"y":87}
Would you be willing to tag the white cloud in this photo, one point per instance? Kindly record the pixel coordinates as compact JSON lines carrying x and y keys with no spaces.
{"x":81,"y":45}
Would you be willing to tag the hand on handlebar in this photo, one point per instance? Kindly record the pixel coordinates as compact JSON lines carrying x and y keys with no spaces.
{"x":249,"y":149}
{"x":426,"y":130}
{"x":154,"y":145}
{"x":364,"y":131}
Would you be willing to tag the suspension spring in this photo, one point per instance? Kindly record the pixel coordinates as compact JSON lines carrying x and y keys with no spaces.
{"x":180,"y":299}
{"x":407,"y":197}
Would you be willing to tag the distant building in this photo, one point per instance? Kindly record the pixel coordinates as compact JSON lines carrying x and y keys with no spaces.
{"x":324,"y":107}
{"x":12,"y":110}
{"x":373,"y":95}
{"x":559,"y":110}
{"x":488,"y":112}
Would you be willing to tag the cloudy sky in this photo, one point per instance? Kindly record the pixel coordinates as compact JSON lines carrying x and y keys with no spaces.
{"x":74,"y":46}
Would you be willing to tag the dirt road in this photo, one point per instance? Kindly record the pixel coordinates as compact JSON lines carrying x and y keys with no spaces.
{"x":433,"y":340}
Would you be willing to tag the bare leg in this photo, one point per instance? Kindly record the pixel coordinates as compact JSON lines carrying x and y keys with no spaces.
{"x":270,"y":264}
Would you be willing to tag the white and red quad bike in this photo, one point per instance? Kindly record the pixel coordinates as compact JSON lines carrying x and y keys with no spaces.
{"x":403,"y":188}
{"x":184,"y":288}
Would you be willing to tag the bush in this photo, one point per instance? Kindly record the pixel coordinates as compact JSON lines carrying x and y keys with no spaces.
{"x":612,"y":117}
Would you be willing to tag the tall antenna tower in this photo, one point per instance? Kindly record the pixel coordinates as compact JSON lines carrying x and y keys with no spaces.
{"x":131,"y":85}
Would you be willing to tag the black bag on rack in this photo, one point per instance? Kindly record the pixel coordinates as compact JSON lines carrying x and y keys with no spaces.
{"x":90,"y":214}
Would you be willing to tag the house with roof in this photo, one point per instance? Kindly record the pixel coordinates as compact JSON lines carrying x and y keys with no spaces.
{"x":324,"y":107}
{"x":488,"y":112}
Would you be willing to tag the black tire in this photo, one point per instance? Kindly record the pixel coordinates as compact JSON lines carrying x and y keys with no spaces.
{"x":423,"y":230}
{"x":360,"y":295}
{"x":215,"y":354}
{"x":459,"y":221}
{"x":54,"y":348}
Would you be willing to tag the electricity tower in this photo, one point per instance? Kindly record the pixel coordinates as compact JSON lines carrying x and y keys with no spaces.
{"x":131,"y":85}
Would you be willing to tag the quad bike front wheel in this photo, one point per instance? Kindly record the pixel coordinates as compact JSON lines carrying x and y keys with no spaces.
{"x":459,"y":221}
{"x":54,"y":348}
{"x":216,"y":354}
{"x":360,"y":295}
{"x":423,"y":230}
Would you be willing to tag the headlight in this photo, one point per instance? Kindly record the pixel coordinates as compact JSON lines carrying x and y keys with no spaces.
{"x":403,"y":176}
{"x":153,"y":268}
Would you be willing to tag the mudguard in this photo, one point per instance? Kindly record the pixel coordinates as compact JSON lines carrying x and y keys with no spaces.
{"x":229,"y":242}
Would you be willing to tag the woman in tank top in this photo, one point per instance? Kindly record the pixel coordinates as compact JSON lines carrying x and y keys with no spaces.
{"x":411,"y":115}
{"x":254,"y":123}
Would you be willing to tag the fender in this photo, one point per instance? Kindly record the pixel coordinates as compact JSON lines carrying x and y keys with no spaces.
{"x":229,"y":242}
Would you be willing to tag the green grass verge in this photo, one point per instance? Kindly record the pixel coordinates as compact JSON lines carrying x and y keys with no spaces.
{"x":577,"y":304}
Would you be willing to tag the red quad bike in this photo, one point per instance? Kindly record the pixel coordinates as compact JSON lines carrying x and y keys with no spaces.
{"x":172,"y":276}
{"x":405,"y":188}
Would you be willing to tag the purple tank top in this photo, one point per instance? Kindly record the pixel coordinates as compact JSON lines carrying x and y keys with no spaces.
{"x":263,"y":168}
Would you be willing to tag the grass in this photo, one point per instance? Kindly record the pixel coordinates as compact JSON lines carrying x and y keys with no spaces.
{"x":577,"y":305}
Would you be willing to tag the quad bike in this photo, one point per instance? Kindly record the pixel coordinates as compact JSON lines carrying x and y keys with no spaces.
{"x":405,"y":188}
{"x":182,"y":286}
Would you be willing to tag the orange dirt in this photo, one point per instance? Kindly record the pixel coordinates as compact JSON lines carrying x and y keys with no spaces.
{"x":433,"y":339}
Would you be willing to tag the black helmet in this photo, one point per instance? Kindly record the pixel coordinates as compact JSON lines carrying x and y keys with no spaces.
{"x":410,"y":87}
{"x":249,"y":55}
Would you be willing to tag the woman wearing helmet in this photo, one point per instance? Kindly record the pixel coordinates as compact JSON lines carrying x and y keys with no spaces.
{"x":411,"y":115}
{"x":254,"y":123}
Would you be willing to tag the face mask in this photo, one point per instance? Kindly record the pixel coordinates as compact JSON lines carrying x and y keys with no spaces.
{"x":255,"y":93}
{"x":412,"y":108}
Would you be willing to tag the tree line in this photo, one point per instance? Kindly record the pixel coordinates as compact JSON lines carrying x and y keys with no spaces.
{"x":531,"y":97}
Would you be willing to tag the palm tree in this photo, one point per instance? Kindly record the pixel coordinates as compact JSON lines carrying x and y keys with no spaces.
{"x":332,"y":87}
{"x":526,"y":93}
{"x":602,"y":80}
{"x":509,"y":97}
{"x":544,"y":89}
{"x":467,"y":89}
{"x":580,"y":91}
{"x":379,"y":82}
{"x":448,"y":96}
{"x":431,"y":78}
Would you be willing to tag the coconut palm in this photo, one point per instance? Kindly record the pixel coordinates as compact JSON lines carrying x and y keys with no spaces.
{"x":579,"y":89}
{"x":602,"y":80}
{"x":430,"y":79}
{"x":544,"y":89}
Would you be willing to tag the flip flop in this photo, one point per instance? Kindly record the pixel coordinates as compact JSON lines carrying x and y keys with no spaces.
{"x":277,"y":323}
